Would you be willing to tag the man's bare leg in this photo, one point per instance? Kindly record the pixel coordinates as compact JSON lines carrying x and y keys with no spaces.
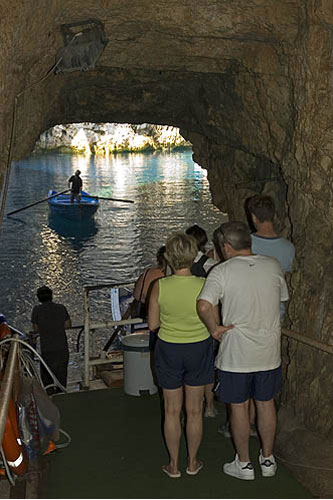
{"x":240,"y":424}
{"x":209,"y":398}
{"x":266,"y":416}
{"x":252,"y":412}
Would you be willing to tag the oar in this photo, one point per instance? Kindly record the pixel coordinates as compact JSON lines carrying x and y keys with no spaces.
{"x":36,"y":202}
{"x":103,"y":198}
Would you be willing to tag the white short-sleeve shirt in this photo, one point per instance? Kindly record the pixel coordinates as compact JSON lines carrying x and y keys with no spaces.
{"x":250,"y":289}
{"x":208,"y":263}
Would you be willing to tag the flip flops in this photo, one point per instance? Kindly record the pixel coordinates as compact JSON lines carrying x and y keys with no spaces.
{"x":170,"y":474}
{"x":196,"y":471}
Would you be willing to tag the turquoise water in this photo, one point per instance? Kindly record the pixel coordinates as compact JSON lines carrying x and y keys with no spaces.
{"x":170,"y":193}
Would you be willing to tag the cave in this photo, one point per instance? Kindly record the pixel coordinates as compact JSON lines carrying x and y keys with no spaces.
{"x":249,"y":84}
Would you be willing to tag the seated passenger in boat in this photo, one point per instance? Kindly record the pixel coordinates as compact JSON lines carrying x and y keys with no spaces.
{"x":184,"y":359}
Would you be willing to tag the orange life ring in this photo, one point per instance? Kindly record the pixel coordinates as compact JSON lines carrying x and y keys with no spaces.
{"x":4,"y":331}
{"x":11,"y":444}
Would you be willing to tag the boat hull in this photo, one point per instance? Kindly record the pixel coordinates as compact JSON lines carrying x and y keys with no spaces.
{"x":61,"y":205}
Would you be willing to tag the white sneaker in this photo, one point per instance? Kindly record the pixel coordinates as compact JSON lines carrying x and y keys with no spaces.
{"x":225,"y":430}
{"x":211,"y":412}
{"x":268,"y":465}
{"x":253,"y":431}
{"x":237,"y":469}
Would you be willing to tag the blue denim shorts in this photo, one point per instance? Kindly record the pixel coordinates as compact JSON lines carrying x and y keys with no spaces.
{"x":184,"y":364}
{"x":239,"y":387}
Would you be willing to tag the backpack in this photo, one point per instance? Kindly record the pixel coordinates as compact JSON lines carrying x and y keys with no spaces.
{"x":197,"y":268}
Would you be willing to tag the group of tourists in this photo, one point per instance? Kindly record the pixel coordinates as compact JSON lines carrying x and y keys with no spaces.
{"x":239,"y":305}
{"x":216,"y":318}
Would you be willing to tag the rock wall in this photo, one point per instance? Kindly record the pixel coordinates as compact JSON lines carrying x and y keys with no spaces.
{"x":249,"y":84}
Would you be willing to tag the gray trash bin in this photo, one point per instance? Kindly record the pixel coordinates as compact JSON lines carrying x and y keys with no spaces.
{"x":138,"y":379}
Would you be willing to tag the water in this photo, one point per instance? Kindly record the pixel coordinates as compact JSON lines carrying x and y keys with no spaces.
{"x":170,"y":193}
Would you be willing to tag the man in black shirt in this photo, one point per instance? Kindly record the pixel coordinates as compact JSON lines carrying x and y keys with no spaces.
{"x":76,"y":187}
{"x":50,"y":320}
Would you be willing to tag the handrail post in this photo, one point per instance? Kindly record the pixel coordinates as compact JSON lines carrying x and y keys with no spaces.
{"x":86,"y":338}
{"x":90,"y":327}
{"x":7,"y":385}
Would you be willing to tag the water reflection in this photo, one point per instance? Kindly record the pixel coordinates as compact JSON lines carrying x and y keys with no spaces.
{"x":170,"y":194}
{"x":78,"y":232}
{"x":17,"y":220}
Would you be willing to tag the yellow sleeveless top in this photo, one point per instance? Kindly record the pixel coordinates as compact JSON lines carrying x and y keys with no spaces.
{"x":177,"y":300}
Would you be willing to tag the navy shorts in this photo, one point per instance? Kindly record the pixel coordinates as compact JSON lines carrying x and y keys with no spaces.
{"x":184,"y":364}
{"x":239,"y":387}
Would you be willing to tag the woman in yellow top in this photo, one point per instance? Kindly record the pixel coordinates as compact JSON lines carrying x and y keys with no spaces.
{"x":183,"y":351}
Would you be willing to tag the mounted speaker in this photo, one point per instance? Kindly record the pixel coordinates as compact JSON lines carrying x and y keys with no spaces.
{"x":84,"y":42}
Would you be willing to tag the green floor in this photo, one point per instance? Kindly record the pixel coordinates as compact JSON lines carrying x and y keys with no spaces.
{"x":117,"y":452}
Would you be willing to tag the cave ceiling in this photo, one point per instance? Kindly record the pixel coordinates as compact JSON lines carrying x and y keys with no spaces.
{"x":196,"y":65}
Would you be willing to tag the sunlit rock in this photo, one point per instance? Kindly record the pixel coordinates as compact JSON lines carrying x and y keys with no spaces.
{"x":106,"y":138}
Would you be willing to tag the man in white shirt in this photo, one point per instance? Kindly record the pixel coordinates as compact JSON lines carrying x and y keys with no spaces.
{"x":250,"y":288}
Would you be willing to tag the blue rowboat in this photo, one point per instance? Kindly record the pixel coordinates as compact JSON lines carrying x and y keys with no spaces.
{"x":61,"y":205}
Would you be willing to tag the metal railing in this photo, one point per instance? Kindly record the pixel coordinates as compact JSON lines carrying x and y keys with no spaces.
{"x":307,"y":341}
{"x":7,"y":381}
{"x":6,"y":388}
{"x":90,"y":327}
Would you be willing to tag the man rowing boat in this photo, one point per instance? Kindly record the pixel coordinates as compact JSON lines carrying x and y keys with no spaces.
{"x":76,"y":187}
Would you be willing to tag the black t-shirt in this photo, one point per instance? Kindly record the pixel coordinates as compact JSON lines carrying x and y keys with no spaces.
{"x":76,"y":183}
{"x":197,"y":268}
{"x":50,"y":318}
